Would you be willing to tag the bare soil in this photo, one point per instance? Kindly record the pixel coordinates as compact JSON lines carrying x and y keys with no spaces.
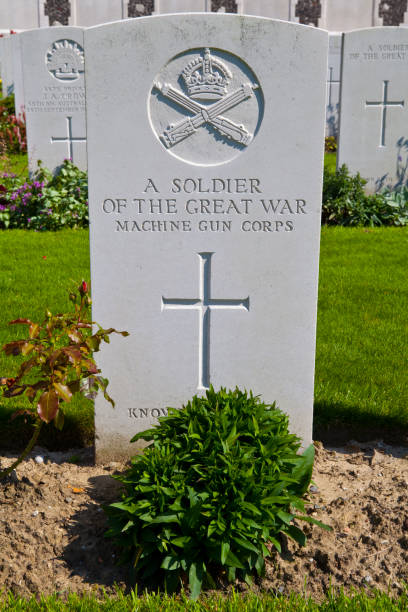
{"x":52,"y":524}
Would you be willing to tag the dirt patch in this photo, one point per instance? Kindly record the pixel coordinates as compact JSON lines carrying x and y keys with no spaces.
{"x":52,"y":524}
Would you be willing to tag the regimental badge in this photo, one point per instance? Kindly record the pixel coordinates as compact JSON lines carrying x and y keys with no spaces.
{"x":203,"y":100}
{"x":65,"y":60}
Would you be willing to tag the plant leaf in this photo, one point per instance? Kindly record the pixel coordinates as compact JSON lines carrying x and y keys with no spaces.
{"x":21,"y":321}
{"x":225,"y":548}
{"x":195,"y":578}
{"x":59,"y":420}
{"x":47,"y":406}
{"x":303,"y":473}
{"x":63,"y":391}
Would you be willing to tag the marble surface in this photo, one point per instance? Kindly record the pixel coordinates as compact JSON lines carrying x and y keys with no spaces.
{"x":205,"y":149}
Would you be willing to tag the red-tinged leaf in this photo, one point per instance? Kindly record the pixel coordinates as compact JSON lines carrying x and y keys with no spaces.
{"x":21,"y":321}
{"x":111,"y":330}
{"x":93,"y":342}
{"x":63,"y":391}
{"x":14,"y":391}
{"x":27,"y":348}
{"x":91,"y":366}
{"x":59,"y":420}
{"x":14,"y":348}
{"x":75,"y":336}
{"x":34,"y":330}
{"x":26,"y":366}
{"x":55,"y":356}
{"x":86,"y":325}
{"x":47,"y":407}
{"x":74,"y":354}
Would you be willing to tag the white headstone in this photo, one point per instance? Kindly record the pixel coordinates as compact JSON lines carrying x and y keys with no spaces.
{"x":276,"y":9}
{"x":93,"y":12}
{"x":7,"y":78}
{"x":17,"y":64}
{"x":53,"y":72}
{"x":19,"y":14}
{"x":343,"y":15}
{"x":180,"y":6}
{"x":333,"y":85}
{"x":205,"y":157}
{"x":374,"y":105}
{"x":2,"y":56}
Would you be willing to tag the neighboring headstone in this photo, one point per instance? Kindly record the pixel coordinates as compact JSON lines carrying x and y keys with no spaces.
{"x":276,"y":9}
{"x":7,"y":66}
{"x":17,"y":67}
{"x":374,"y":106}
{"x":344,"y":15}
{"x":180,"y":6}
{"x":205,"y":151}
{"x":333,"y":85}
{"x":53,"y":74}
{"x":93,"y":12}
{"x":19,"y":14}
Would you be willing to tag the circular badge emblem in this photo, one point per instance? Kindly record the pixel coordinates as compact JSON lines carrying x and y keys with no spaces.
{"x":65,"y":60}
{"x":206,"y":106}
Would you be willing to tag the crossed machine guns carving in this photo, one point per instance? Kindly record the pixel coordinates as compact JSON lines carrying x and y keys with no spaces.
{"x":206,"y":83}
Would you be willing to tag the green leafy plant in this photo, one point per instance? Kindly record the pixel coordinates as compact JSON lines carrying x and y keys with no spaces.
{"x":59,"y":354}
{"x":346,"y":203}
{"x":45,"y":201}
{"x":65,"y":198}
{"x":396,"y":211}
{"x":221,"y":481}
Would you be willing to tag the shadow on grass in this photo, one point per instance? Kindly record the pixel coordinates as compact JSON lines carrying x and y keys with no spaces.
{"x":15,"y":434}
{"x":337,"y":423}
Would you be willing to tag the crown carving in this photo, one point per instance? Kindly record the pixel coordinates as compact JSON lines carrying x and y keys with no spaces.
{"x":206,"y":77}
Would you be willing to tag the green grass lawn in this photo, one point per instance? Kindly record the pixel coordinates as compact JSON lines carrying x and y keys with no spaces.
{"x":235,"y":602}
{"x":14,"y":162}
{"x":330,"y":161}
{"x":362,"y":332}
{"x":37,"y":270}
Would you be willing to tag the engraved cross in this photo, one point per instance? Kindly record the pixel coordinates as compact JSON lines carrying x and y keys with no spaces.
{"x":330,"y":83}
{"x":204,"y":304}
{"x":384,"y":104}
{"x":69,"y":139}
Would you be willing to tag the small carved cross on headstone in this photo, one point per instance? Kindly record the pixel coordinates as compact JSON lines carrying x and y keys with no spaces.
{"x":392,"y":11}
{"x":224,"y":6}
{"x":309,"y":12}
{"x":384,"y":104}
{"x":204,"y":304}
{"x":58,"y":11}
{"x":69,"y":139}
{"x":140,"y":8}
